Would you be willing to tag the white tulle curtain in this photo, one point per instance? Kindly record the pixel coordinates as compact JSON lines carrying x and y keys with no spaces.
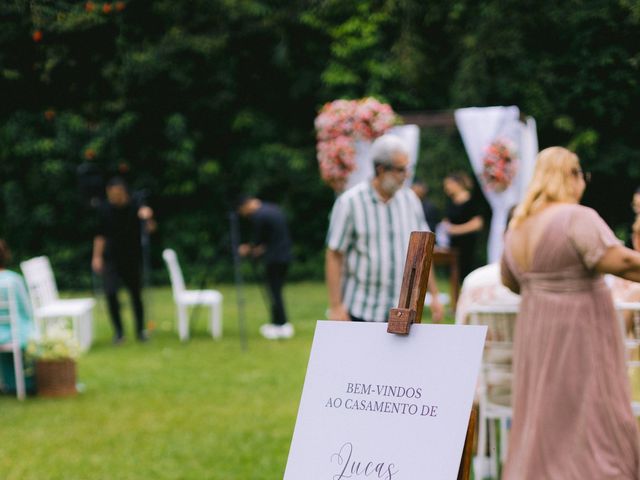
{"x":364,"y":168}
{"x":478,"y":128}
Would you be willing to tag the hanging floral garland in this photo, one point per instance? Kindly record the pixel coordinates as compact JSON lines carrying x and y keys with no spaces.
{"x":339,"y":124}
{"x":499,"y":165}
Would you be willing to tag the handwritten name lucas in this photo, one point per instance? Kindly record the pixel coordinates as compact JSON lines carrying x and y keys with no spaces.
{"x":351,"y":467}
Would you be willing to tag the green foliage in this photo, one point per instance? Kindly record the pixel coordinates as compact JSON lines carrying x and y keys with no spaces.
{"x":195,"y":102}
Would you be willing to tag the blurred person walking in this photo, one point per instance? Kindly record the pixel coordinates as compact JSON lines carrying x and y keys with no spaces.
{"x":25,"y":319}
{"x":431,"y":213}
{"x":635,"y":207}
{"x":368,"y":238}
{"x":572,"y":415}
{"x":271,"y":243}
{"x":117,"y":253}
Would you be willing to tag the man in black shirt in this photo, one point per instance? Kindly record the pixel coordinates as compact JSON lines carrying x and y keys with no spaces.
{"x":117,"y":253}
{"x":271,"y":242}
{"x":431,"y":212}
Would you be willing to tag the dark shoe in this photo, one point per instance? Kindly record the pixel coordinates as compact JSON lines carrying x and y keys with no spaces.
{"x":143,"y":337}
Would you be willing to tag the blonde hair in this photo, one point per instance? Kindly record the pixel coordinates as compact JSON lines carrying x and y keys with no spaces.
{"x":550,"y":183}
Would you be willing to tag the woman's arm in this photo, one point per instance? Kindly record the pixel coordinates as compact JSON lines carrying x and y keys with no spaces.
{"x":473,"y":225}
{"x":508,"y":280}
{"x":620,"y":261}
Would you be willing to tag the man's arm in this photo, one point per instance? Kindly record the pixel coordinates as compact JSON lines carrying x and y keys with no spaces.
{"x":437,"y":310}
{"x":97,"y":262}
{"x":333,"y":276}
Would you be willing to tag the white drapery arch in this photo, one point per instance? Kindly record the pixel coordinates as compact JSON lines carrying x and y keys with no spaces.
{"x":479,"y":127}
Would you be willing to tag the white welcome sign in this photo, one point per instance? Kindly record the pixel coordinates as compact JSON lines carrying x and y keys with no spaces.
{"x":381,"y":406}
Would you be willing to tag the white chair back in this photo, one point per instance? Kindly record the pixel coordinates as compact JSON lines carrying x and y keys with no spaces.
{"x":40,"y":281}
{"x":495,"y":380}
{"x":175,"y":272}
{"x":9,"y":315}
{"x":8,"y":310}
{"x":631,"y":335}
{"x":496,"y":372}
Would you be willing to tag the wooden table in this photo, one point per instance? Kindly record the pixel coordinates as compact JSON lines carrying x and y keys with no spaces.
{"x":449,"y":257}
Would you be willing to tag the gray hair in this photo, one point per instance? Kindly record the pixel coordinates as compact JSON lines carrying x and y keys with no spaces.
{"x":385,"y":148}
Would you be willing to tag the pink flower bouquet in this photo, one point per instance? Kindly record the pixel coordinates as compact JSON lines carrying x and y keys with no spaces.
{"x":499,"y":165}
{"x":338,"y":125}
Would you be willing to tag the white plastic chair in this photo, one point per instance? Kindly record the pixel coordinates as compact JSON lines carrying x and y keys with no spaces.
{"x":444,"y":298}
{"x":632,"y":350}
{"x":9,"y":315}
{"x":47,"y":306}
{"x":190,"y":298}
{"x":494,"y":384}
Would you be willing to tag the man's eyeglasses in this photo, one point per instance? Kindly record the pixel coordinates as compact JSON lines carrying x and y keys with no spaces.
{"x":586,"y":176}
{"x":393,"y":168}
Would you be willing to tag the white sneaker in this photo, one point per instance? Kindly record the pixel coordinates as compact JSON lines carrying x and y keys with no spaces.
{"x":286,"y":330}
{"x":271,"y":331}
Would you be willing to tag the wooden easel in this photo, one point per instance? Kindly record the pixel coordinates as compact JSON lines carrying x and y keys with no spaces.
{"x":410,"y":305}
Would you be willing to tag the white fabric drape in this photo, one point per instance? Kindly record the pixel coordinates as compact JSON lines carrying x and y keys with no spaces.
{"x":478,"y":127}
{"x":364,"y":168}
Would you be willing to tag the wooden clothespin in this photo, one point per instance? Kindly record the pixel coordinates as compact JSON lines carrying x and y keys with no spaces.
{"x":414,"y":283}
{"x":410,"y":305}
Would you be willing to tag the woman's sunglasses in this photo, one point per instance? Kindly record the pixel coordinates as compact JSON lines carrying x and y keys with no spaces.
{"x":586,"y":176}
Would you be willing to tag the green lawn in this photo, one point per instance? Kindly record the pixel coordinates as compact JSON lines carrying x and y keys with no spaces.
{"x":204,"y":409}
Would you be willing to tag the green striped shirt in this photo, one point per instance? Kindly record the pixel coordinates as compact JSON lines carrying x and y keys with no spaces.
{"x":373,"y":236}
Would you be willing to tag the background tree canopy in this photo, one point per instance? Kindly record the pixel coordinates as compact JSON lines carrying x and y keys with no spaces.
{"x":197,"y":101}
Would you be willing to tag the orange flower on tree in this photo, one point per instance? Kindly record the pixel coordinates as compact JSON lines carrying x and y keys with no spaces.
{"x":37,"y":36}
{"x":107,"y":8}
{"x":89,"y":154}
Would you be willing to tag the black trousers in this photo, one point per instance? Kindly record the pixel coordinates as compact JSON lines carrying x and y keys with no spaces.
{"x":129,"y":275}
{"x":275,"y":274}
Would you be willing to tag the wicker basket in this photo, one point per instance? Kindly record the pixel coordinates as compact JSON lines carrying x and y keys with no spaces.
{"x":56,"y":378}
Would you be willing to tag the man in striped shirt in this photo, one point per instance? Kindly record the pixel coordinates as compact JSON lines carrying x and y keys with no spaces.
{"x":368,"y":239}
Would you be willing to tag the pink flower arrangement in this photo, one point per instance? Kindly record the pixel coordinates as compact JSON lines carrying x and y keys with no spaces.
{"x":339,"y":124}
{"x":499,"y":165}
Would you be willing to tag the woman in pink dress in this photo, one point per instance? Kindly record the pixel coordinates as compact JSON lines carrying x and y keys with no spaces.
{"x":572,"y":415}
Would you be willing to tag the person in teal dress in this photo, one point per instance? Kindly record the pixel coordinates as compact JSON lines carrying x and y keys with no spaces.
{"x":25,"y":317}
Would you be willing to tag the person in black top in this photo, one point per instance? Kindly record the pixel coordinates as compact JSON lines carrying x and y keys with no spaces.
{"x":431,"y":212}
{"x":117,"y":252}
{"x":272,"y":244}
{"x":462,"y":221}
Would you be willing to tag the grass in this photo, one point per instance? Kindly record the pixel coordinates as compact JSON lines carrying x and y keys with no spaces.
{"x":199,"y":410}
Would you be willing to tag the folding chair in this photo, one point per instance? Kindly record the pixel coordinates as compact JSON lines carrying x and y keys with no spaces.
{"x":9,"y":315}
{"x":47,"y":306}
{"x":495,"y":385}
{"x":190,"y":298}
{"x":632,"y":346}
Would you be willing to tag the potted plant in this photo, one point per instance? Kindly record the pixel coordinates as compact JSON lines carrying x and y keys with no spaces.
{"x":55,"y":354}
